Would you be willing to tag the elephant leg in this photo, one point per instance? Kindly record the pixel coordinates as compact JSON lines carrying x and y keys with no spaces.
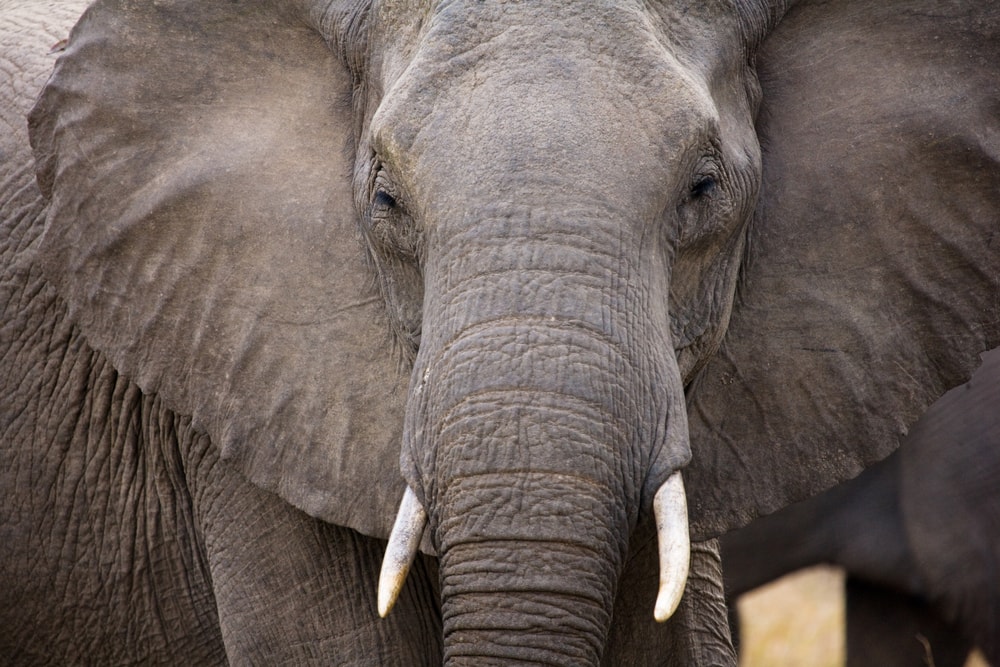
{"x":697,"y":633}
{"x":295,"y":590}
{"x":100,"y":556}
{"x":897,"y":630}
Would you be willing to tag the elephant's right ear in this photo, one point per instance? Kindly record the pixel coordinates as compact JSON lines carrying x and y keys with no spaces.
{"x":871,"y":285}
{"x":199,"y":164}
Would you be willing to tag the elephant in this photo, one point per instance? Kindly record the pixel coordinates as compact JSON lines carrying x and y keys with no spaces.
{"x":422,"y":332}
{"x":917,"y":535}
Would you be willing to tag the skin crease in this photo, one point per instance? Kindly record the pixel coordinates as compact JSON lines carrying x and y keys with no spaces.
{"x":505,"y":236}
{"x":914,"y":534}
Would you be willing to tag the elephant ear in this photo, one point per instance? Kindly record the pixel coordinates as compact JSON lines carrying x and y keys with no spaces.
{"x":870,"y":285}
{"x":202,"y":232}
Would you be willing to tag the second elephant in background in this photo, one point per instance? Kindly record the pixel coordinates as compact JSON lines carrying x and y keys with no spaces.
{"x":918,"y":535}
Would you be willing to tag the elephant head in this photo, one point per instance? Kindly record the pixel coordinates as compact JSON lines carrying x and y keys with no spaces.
{"x":475,"y":251}
{"x":545,"y":324}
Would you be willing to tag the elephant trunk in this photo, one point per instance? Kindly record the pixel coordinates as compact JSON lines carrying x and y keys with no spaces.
{"x":533,"y":502}
{"x":534,"y":585}
{"x":545,"y":396}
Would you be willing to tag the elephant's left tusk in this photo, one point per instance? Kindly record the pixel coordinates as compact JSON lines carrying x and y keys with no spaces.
{"x":670,"y":509}
{"x":403,"y":543}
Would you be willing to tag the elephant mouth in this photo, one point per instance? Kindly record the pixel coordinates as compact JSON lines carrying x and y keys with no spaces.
{"x":673,"y":543}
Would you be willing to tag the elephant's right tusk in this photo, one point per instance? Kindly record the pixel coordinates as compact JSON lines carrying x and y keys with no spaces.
{"x":404,"y":540}
{"x":670,"y":509}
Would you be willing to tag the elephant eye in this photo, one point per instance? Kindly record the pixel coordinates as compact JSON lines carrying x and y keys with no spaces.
{"x":384,"y":195}
{"x":384,"y":200}
{"x":703,"y":187}
{"x":390,"y":228}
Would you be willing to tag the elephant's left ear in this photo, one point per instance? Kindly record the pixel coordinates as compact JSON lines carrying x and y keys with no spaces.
{"x":872,"y":283}
{"x":202,"y":232}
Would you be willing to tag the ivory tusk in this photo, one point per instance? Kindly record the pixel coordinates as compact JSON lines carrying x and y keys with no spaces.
{"x":670,"y":510}
{"x":404,"y":540}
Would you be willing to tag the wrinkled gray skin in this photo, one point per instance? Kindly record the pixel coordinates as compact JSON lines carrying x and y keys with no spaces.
{"x":269,"y":243}
{"x":917,"y":535}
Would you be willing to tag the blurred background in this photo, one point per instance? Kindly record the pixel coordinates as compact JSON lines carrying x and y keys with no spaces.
{"x":798,"y":621}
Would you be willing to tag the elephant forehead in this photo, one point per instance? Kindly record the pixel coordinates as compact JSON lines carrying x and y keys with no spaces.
{"x":581,"y":90}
